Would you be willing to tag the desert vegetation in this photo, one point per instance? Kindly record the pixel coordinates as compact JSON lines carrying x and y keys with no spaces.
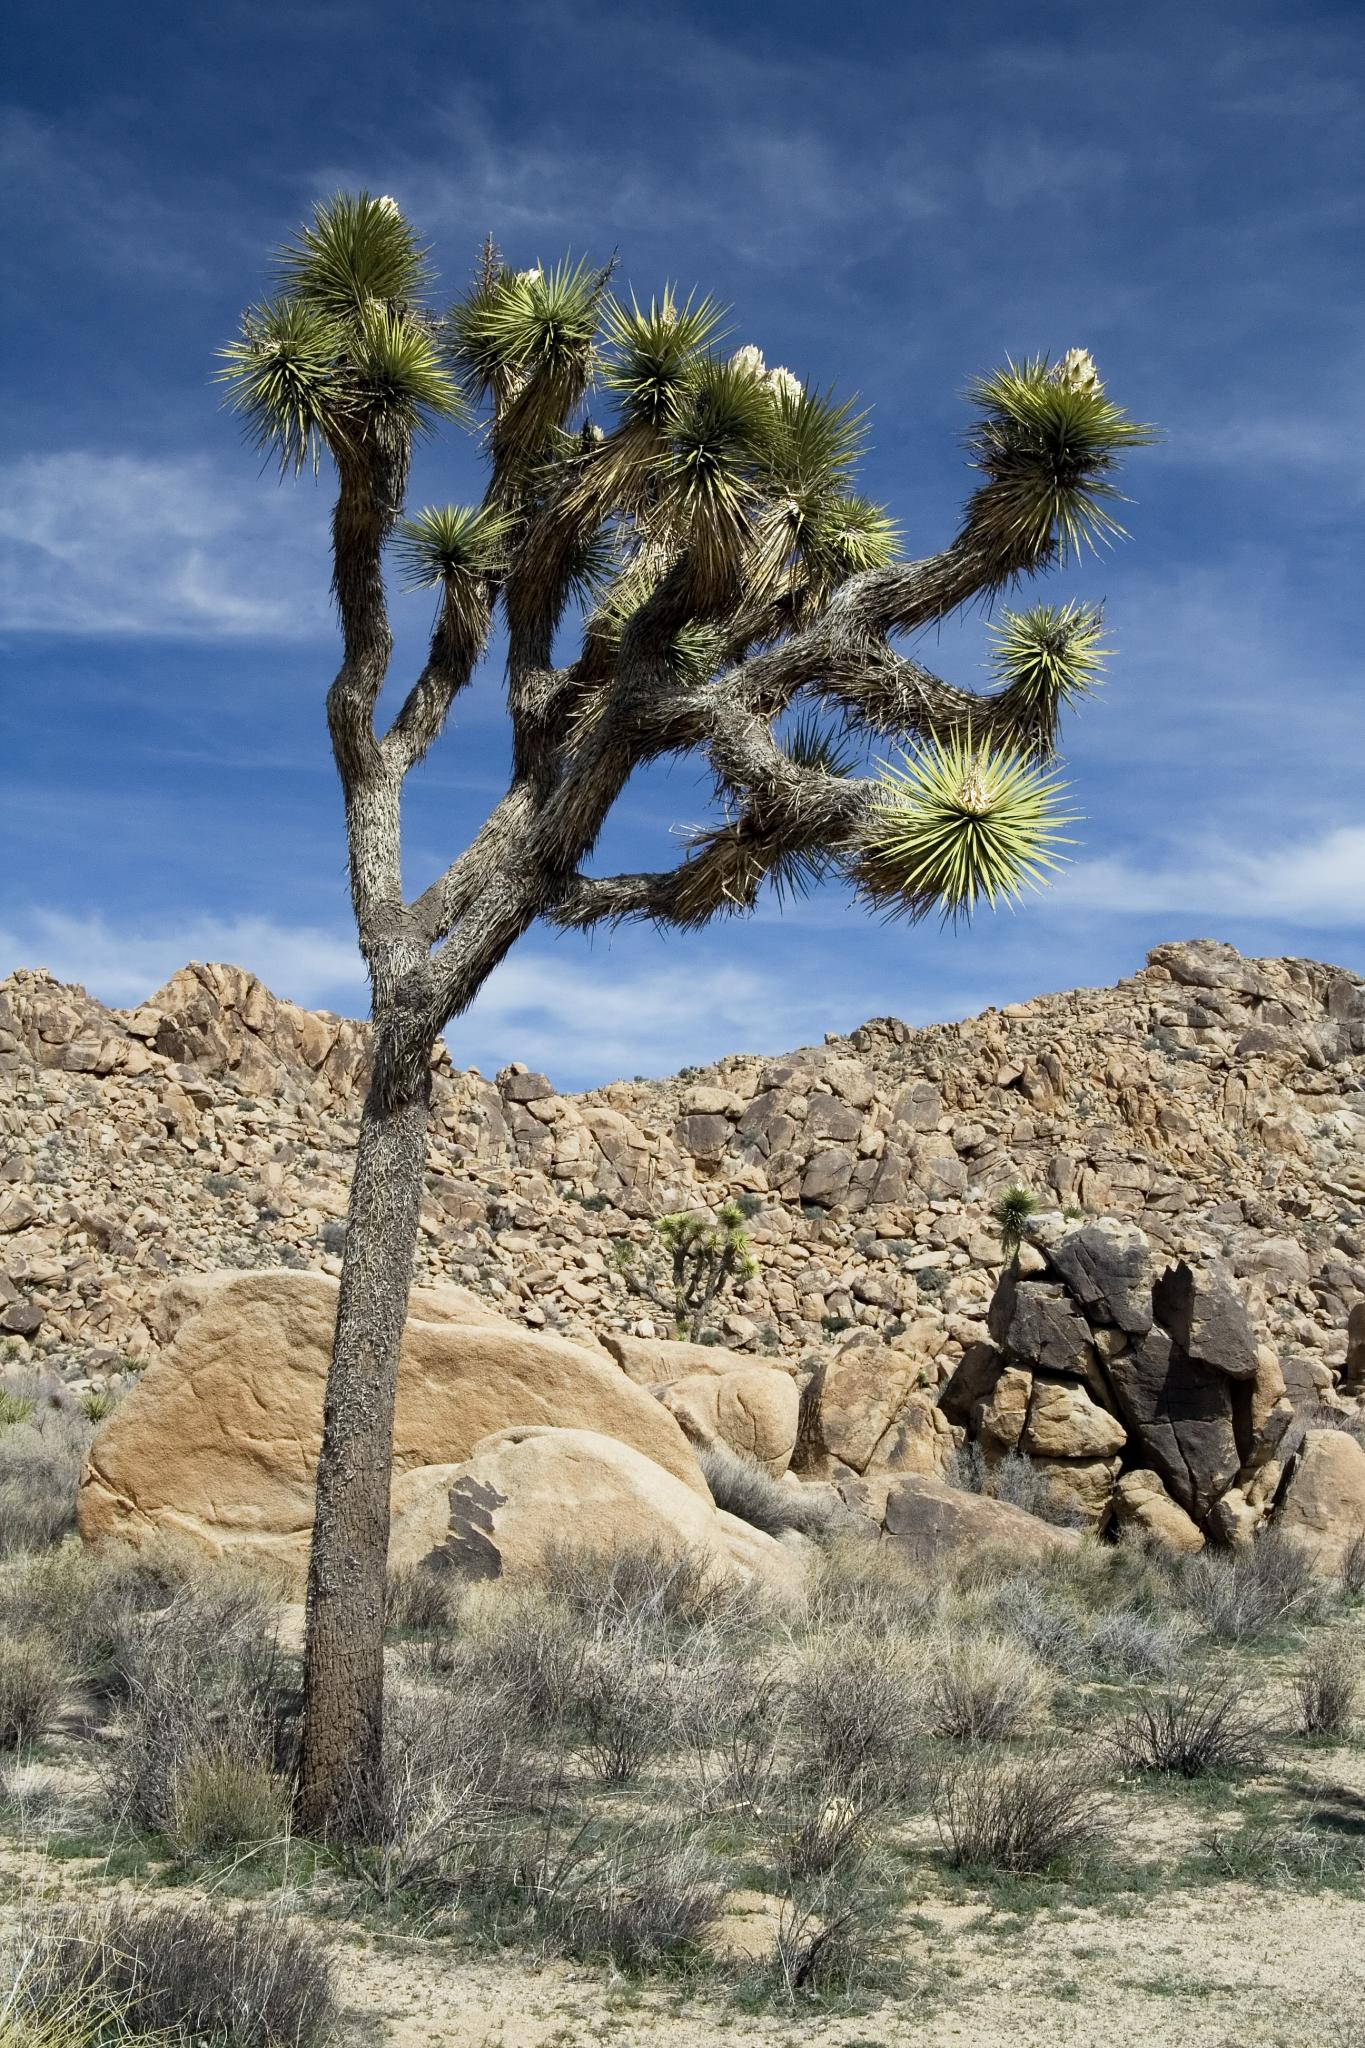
{"x":635,"y":1769}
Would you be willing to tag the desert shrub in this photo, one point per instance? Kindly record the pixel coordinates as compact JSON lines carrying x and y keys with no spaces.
{"x":14,"y":1407}
{"x":852,"y":1706}
{"x":867,"y":1587}
{"x":979,"y":1689}
{"x":818,"y":1830}
{"x":742,"y":1487}
{"x":646,"y":1904}
{"x":31,"y":1689}
{"x":1239,"y":1595}
{"x":1022,"y":1610}
{"x":181,"y":1969}
{"x":518,"y":1642}
{"x":1196,"y":1730}
{"x":1326,"y":1688}
{"x":1353,"y":1566}
{"x":202,"y":1681}
{"x":637,"y":1583}
{"x":420,"y":1603}
{"x":831,"y":1938}
{"x":1025,"y":1813}
{"x":642,"y":1897}
{"x":225,"y":1800}
{"x":449,"y":1775}
{"x":1128,"y":1645}
{"x":731,"y":1712}
{"x":41,"y":1451}
{"x":1015,"y":1480}
{"x":84,"y":1602}
{"x":628,"y":1702}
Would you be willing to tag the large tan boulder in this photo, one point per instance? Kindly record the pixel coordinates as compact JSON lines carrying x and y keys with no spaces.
{"x":934,"y":1524}
{"x":524,"y":1493}
{"x":1323,"y":1504}
{"x":919,"y":1438}
{"x":1063,"y":1422}
{"x":1142,"y":1505}
{"x":754,"y":1412}
{"x":658,"y":1361}
{"x":859,"y":1396}
{"x":219,"y":1440}
{"x":1079,"y":1488}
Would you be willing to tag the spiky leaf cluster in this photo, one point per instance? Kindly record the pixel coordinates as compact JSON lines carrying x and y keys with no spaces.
{"x":1049,"y":442}
{"x":1045,"y":659}
{"x":344,"y":357}
{"x":456,"y":549}
{"x":960,"y":822}
{"x":526,"y":340}
{"x":1012,"y":1210}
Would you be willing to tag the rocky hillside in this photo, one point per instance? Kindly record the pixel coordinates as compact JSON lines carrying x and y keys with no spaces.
{"x":1219,"y":1101}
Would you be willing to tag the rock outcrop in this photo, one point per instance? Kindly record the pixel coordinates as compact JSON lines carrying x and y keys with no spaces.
{"x":524,"y":1492}
{"x":1099,"y":1371}
{"x":1216,"y":1101}
{"x":219,"y":1439}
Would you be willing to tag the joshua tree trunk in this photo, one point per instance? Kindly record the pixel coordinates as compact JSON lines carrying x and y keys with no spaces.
{"x":344,"y":1661}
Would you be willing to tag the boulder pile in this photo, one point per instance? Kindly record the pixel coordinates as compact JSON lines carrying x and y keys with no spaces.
{"x":1217,"y":1102}
{"x":1141,"y":1399}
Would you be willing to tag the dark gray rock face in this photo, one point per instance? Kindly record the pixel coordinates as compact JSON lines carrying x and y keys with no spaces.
{"x":1206,"y":1319}
{"x":1107,"y":1267}
{"x":1182,"y":1416}
{"x":1044,"y":1328}
{"x":973,"y":1381}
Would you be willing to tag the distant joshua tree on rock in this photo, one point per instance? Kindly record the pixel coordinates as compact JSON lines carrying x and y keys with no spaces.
{"x":694,"y":517}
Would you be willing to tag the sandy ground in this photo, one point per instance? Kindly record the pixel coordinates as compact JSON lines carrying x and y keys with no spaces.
{"x":1235,"y":1968}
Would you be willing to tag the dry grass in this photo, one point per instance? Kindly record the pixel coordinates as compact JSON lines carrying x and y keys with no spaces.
{"x":182,"y":1970}
{"x":1327,"y":1689}
{"x":1018,"y":1813}
{"x":980,"y":1689}
{"x":32,"y":1685}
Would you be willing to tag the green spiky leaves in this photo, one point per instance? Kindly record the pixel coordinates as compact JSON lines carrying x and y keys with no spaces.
{"x":652,"y":357}
{"x":1045,"y":658}
{"x":1011,"y":1210}
{"x":445,"y":542}
{"x":358,"y":251}
{"x":1051,"y":653}
{"x":281,"y":375}
{"x":961,"y":822}
{"x":526,"y":339}
{"x":455,"y":548}
{"x":1049,"y":443}
{"x":344,"y":357}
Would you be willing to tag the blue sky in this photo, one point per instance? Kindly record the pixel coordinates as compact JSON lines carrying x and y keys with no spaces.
{"x":891,"y":198}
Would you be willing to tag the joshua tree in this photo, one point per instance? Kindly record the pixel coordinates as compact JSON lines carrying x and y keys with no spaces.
{"x":704,"y":1256}
{"x":1012,"y":1211}
{"x":693,"y":516}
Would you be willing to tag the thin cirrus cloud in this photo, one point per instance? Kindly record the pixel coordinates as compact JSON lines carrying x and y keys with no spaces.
{"x":548,"y":1006}
{"x":124,"y":964}
{"x":1316,"y":882}
{"x":131,"y":545}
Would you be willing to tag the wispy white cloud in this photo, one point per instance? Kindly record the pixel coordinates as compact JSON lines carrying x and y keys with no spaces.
{"x":1317,"y":882}
{"x":123,"y":964}
{"x":95,"y":543}
{"x":582,"y":1016}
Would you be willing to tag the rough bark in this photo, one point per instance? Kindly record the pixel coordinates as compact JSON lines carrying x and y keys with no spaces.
{"x":344,"y":1656}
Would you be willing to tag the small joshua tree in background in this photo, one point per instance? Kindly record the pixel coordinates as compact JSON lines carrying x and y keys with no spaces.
{"x":1012,"y":1211}
{"x":683,"y":565}
{"x":697,"y":1259}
